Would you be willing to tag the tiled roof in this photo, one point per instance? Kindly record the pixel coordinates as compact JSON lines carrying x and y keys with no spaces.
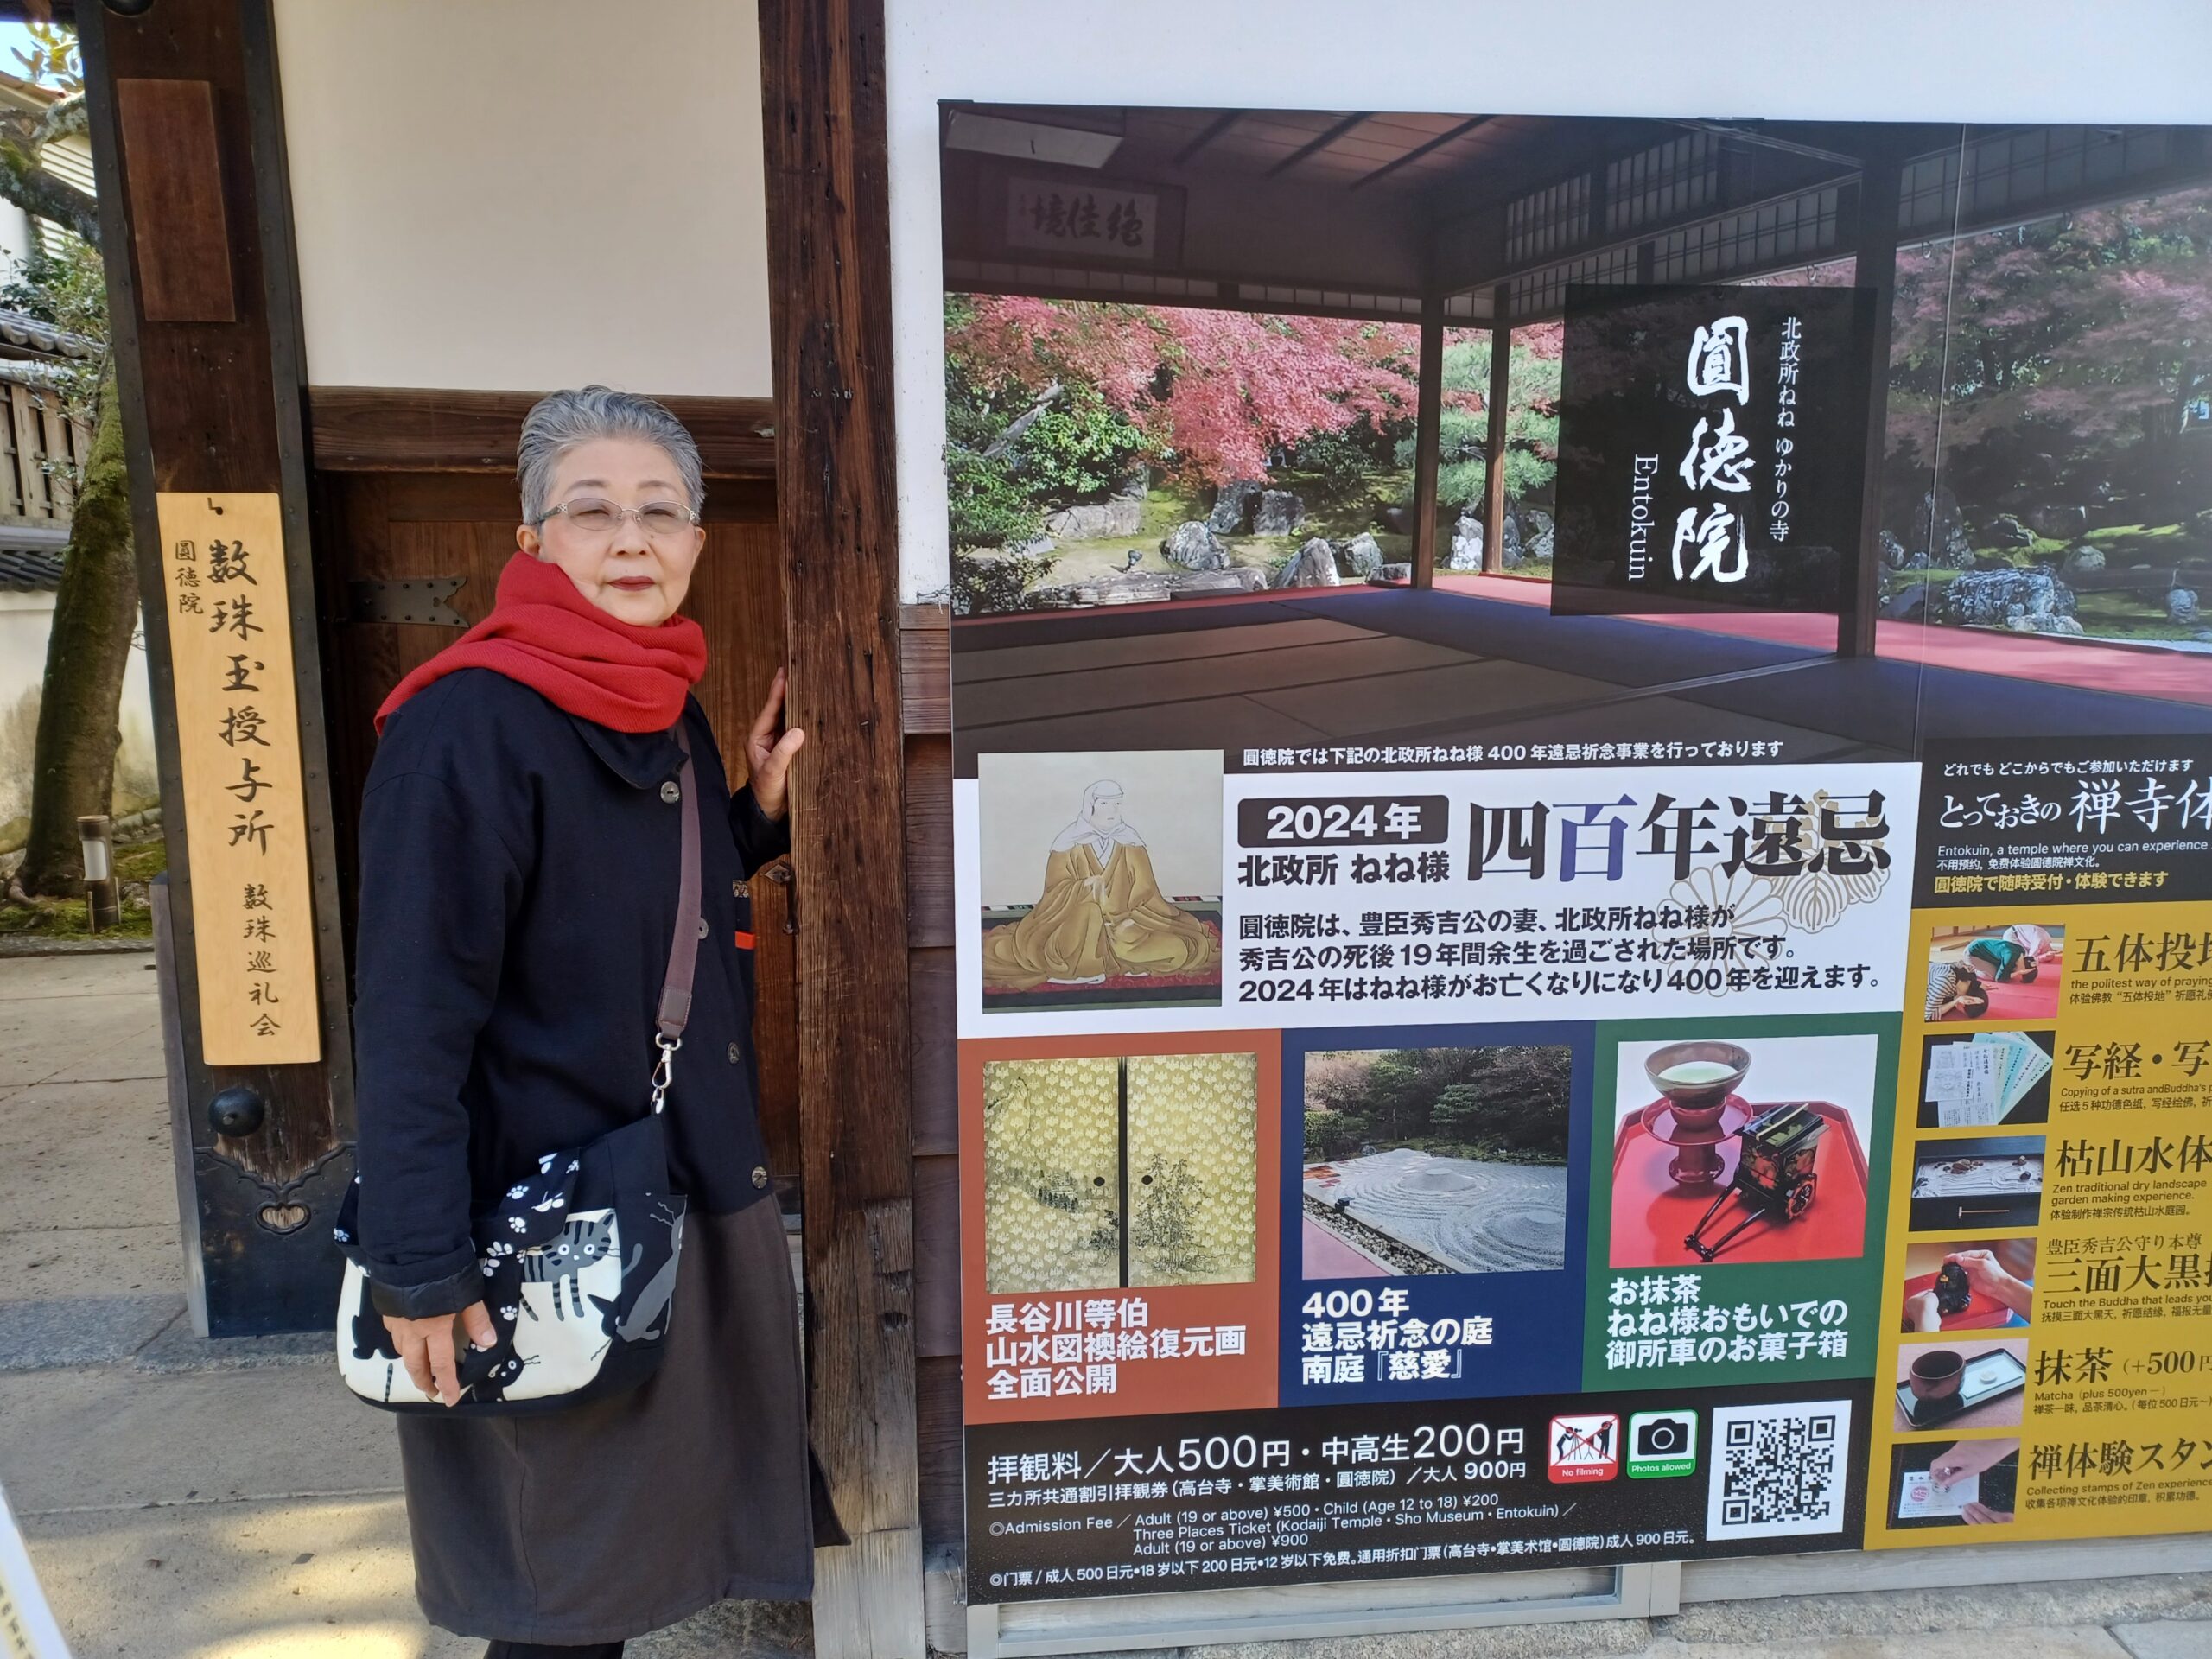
{"x":29,"y":570}
{"x":31,"y":334}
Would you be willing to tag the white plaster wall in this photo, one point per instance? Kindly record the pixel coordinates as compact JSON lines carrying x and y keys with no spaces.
{"x":2043,"y":60}
{"x":520,"y":194}
{"x":26,"y":619}
{"x":15,"y":237}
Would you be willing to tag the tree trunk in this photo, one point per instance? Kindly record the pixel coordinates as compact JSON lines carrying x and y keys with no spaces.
{"x":94,"y":616}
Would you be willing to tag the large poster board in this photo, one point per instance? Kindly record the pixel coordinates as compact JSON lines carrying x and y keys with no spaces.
{"x":1681,"y":1039}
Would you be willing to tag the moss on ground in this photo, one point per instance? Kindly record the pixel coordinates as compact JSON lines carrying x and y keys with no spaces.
{"x":71,"y":918}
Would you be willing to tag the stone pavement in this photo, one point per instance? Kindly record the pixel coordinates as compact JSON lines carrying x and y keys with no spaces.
{"x":194,"y":1500}
{"x":185,"y":1499}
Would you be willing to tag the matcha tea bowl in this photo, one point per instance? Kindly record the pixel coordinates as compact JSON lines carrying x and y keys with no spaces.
{"x":1696,"y":1078}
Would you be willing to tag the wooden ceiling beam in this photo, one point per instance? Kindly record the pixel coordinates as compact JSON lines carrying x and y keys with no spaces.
{"x":1419,"y":150}
{"x":1320,"y":142}
{"x":1214,"y":128}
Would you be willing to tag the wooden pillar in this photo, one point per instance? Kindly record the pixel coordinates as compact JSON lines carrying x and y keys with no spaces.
{"x":829,"y":282}
{"x":1501,"y":394}
{"x":1880,"y":182}
{"x":187,"y":142}
{"x":1427,"y":430}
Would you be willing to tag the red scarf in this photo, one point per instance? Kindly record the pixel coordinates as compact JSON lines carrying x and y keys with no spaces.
{"x":544,"y":634}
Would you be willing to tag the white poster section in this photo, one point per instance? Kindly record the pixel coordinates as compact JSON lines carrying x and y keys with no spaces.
{"x":2052,"y":61}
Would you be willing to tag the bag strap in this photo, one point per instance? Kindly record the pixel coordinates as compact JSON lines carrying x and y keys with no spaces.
{"x":684,"y":949}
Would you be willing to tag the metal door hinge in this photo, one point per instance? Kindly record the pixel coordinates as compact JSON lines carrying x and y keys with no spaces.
{"x":420,"y":599}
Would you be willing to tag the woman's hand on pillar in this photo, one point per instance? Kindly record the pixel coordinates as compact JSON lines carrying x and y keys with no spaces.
{"x":769,"y":755}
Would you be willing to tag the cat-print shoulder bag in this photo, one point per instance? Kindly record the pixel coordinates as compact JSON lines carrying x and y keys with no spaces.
{"x":579,"y":1256}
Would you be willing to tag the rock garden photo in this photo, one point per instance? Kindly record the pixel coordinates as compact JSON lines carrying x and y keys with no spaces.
{"x":1425,"y":1160}
{"x":1103,"y":453}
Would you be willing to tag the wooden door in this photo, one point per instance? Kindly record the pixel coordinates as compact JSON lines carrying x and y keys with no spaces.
{"x":377,"y":529}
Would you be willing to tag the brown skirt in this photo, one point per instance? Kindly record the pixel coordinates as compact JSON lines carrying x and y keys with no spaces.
{"x":607,"y":1519}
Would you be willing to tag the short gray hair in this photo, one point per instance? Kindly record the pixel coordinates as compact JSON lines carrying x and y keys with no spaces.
{"x":560,"y":421}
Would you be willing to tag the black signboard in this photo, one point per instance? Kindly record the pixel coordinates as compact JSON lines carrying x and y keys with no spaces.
{"x":2077,"y":820}
{"x":1712,"y":448}
{"x":1205,"y":1500}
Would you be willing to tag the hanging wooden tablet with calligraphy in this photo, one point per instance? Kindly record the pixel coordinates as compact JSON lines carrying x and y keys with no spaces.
{"x":238,"y":750}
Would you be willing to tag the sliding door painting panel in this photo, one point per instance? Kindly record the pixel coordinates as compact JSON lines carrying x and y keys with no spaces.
{"x":1053,"y":1174}
{"x":1191,"y":1169}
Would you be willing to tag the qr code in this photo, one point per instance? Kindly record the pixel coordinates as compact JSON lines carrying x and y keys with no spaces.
{"x":1778,"y":1471}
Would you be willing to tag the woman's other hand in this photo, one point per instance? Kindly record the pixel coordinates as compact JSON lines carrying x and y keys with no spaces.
{"x":768,"y":756}
{"x":427,"y":1351}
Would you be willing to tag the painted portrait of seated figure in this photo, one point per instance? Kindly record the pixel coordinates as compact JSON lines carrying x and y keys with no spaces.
{"x":1101,"y":915}
{"x":1100,"y":930}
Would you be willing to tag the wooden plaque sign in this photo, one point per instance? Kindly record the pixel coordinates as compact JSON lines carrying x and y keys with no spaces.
{"x":238,"y":746}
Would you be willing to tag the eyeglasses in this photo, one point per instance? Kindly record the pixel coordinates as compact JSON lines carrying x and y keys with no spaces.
{"x":596,"y":517}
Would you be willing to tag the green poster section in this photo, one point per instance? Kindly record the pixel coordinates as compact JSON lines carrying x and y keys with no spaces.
{"x":1790,"y":1299}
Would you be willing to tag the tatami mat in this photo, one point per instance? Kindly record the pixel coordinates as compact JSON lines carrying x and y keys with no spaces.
{"x":972,"y":659}
{"x":1477,"y":690}
{"x":1329,"y":667}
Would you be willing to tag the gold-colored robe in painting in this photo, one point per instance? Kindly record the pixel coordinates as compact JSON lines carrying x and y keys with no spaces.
{"x":1095,"y":921}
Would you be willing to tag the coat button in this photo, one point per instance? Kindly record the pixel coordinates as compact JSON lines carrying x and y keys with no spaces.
{"x":671,"y":791}
{"x":760,"y":1176}
{"x":735,"y":1054}
{"x":703,"y":927}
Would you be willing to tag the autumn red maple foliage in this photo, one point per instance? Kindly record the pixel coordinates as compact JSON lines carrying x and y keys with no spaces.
{"x":1217,"y":393}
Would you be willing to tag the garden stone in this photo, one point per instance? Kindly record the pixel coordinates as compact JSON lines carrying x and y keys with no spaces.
{"x":1279,"y":512}
{"x":1987,"y":598}
{"x":2181,"y":606}
{"x":2020,"y":622}
{"x":1895,"y":557}
{"x":1535,"y":534}
{"x":1907,"y":604}
{"x":1193,"y":545}
{"x":1035,"y":548}
{"x":1391,"y":575}
{"x":1232,"y":507}
{"x":1939,"y":527}
{"x":1314,"y":565}
{"x":1360,"y":556}
{"x":2005,"y":531}
{"x":1096,"y":522}
{"x":1399,"y":521}
{"x":1466,"y":552}
{"x":1132,"y":486}
{"x":2082,"y":560}
{"x":2060,"y":524}
{"x":1467,"y":541}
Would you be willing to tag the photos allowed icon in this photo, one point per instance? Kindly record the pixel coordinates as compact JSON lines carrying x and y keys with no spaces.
{"x":1662,"y":1444}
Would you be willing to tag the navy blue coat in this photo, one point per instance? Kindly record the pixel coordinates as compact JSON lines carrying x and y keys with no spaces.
{"x":518,"y":891}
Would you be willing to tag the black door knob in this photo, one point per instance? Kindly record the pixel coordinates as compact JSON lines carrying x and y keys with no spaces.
{"x":236,"y":1112}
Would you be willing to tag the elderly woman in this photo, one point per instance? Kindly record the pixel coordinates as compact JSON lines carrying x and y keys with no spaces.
{"x":519,"y":888}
